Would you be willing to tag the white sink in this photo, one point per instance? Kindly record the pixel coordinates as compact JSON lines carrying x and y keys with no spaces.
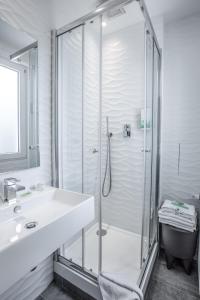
{"x":59,"y":215}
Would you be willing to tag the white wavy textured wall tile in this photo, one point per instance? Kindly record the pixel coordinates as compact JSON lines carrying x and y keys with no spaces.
{"x":91,"y":109}
{"x":70,"y":95}
{"x":73,"y":139}
{"x":123,"y":99}
{"x":28,"y":16}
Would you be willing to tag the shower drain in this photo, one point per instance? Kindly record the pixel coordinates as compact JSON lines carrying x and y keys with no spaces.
{"x":31,"y":225}
{"x":102,"y":232}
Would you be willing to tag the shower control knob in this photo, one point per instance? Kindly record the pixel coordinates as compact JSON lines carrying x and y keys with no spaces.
{"x":33,"y":147}
{"x":145,"y":150}
{"x":94,"y":151}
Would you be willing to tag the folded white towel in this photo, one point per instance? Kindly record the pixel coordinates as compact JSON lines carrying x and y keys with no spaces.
{"x":114,"y":287}
{"x":178,"y":214}
{"x":178,"y":225}
{"x":178,"y":219}
{"x":178,"y":208}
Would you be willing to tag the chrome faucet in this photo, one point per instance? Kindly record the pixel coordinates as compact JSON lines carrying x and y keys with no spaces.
{"x":10,"y":189}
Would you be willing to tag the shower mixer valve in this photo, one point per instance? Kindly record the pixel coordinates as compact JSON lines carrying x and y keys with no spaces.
{"x":127,"y":130}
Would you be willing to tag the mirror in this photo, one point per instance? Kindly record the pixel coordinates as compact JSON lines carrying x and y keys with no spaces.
{"x":19,"y":138}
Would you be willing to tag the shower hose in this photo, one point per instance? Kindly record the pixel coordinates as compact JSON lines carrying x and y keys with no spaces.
{"x":108,"y":169}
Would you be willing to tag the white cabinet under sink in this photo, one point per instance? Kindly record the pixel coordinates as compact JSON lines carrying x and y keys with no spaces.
{"x":58,"y":214}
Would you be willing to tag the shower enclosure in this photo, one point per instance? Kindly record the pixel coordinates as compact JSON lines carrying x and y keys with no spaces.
{"x":106,"y":140}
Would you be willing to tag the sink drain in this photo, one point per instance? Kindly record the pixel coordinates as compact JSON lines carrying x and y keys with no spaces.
{"x":31,"y":225}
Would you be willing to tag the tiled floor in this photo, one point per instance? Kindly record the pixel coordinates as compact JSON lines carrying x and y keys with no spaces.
{"x":173,"y":284}
{"x":53,"y":292}
{"x":165,"y":284}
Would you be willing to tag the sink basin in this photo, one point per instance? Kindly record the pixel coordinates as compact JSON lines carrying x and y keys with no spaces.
{"x":56,"y":215}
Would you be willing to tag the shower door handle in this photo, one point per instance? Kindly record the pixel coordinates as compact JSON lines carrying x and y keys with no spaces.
{"x":95,"y":151}
{"x":145,"y":150}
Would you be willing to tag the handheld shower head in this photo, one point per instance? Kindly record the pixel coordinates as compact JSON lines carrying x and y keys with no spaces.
{"x":109,"y":134}
{"x":108,"y":168}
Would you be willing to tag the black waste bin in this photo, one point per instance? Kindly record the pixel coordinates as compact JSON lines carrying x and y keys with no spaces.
{"x":179,"y":243}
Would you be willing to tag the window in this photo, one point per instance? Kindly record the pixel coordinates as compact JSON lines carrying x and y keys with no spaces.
{"x":9,"y":106}
{"x":13,"y":110}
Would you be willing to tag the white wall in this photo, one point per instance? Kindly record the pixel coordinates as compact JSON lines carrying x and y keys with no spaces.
{"x":32,"y":17}
{"x":181,"y":109}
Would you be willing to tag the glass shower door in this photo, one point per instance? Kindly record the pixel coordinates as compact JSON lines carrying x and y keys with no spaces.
{"x":78,"y":101}
{"x":155,"y":145}
{"x":91,"y":147}
{"x":151,"y":147}
{"x":70,"y":80}
{"x":148,"y":147}
{"x":123,"y":94}
{"x":105,"y":119}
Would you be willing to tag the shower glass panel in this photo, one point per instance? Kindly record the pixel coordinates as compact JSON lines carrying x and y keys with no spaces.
{"x":79,"y":72}
{"x":91,"y":149}
{"x":155,"y":144}
{"x":123,"y":103}
{"x":70,"y":80}
{"x":151,"y":148}
{"x":148,"y":149}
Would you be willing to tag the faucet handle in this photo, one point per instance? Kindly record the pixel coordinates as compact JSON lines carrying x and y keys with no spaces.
{"x":11,"y":180}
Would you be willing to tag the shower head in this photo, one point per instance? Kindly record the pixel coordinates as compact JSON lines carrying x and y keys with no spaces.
{"x":116,"y":12}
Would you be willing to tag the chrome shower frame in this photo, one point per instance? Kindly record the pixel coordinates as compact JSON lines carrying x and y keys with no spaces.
{"x":73,"y":273}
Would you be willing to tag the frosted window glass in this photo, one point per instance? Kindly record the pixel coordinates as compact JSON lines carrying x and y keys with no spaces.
{"x":9,"y":122}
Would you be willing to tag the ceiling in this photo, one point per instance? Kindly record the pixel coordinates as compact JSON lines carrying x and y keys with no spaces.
{"x":173,"y":9}
{"x":13,"y":38}
{"x":62,"y":12}
{"x":66,"y":11}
